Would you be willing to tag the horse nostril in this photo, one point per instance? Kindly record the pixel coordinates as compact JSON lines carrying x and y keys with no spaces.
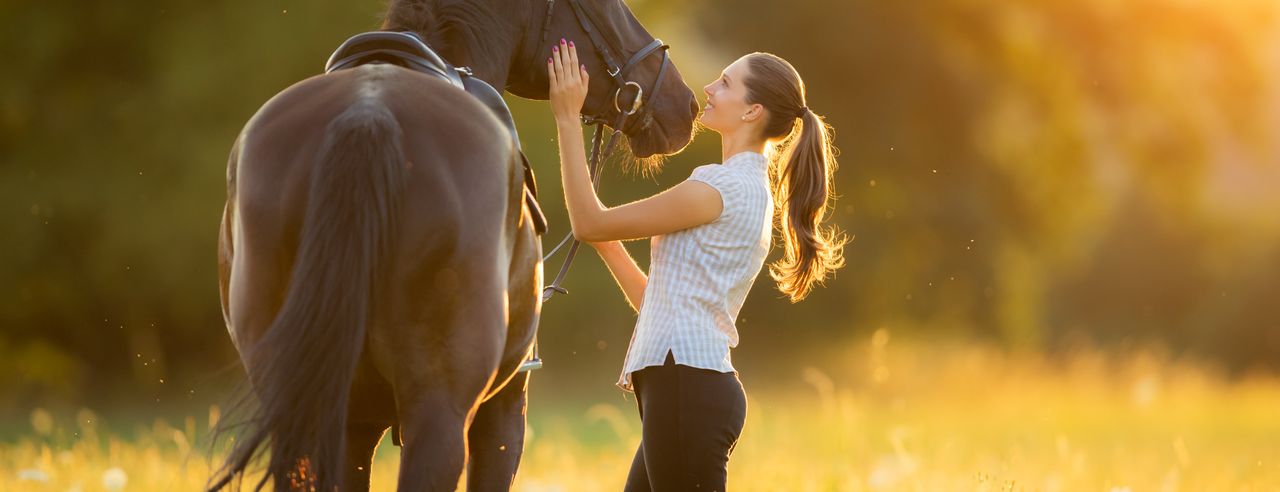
{"x":693,"y":107}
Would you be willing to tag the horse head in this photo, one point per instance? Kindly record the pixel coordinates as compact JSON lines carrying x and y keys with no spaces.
{"x":507,"y":44}
{"x":634,"y":86}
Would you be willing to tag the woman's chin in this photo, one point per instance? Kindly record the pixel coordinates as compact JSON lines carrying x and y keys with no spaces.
{"x":708,"y":124}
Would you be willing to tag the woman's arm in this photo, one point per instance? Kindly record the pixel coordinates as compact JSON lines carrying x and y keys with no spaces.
{"x":625,"y":271}
{"x":688,"y":204}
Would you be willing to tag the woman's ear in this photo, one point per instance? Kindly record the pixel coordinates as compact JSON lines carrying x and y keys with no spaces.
{"x":754,"y":112}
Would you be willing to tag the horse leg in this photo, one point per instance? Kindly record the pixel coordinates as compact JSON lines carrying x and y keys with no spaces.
{"x":496,"y":437}
{"x":433,"y":444}
{"x":441,"y":375}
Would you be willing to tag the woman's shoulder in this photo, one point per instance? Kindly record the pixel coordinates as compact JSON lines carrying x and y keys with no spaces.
{"x":729,"y":176}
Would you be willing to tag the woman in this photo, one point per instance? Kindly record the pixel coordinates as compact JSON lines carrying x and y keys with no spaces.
{"x":711,"y":234}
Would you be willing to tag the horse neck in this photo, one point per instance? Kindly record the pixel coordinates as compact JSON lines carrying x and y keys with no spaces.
{"x":483,"y":35}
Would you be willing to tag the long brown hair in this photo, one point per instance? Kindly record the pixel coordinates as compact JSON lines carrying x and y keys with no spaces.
{"x":804,"y":161}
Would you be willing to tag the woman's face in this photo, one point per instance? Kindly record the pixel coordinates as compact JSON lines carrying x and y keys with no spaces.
{"x":727,"y":101}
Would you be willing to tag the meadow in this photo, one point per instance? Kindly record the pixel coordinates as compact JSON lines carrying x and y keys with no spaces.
{"x":877,"y":415}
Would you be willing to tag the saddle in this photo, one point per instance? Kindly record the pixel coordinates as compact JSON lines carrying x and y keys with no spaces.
{"x":407,"y":50}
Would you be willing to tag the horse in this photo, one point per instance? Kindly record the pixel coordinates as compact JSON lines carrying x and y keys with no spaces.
{"x":378,"y":267}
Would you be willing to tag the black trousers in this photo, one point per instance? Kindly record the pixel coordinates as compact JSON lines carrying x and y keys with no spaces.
{"x":691,"y":419}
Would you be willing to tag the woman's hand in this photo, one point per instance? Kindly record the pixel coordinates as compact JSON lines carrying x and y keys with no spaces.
{"x":568,"y":82}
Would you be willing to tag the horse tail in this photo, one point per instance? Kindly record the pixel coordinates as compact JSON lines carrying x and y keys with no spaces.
{"x":303,"y":366}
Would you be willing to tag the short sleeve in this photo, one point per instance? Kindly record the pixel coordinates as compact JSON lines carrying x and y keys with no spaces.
{"x":722,"y":180}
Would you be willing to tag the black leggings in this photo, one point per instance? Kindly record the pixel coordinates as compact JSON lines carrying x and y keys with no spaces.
{"x":691,"y":419}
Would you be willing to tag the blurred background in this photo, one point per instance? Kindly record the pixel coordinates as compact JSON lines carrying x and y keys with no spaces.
{"x":1038,"y":177}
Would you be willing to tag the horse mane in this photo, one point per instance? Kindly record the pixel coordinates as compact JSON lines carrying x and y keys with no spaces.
{"x":439,"y":20}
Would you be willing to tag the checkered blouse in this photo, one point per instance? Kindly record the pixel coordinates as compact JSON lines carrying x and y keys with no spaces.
{"x":699,"y":277}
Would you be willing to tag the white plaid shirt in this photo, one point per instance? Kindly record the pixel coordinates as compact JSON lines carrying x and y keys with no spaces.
{"x":699,"y":277}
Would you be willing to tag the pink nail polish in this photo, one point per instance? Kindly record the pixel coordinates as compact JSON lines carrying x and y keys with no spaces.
{"x":561,"y":40}
{"x":570,"y":44}
{"x":555,"y":48}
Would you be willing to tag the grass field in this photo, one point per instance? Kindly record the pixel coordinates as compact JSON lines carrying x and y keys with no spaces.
{"x":877,"y":415}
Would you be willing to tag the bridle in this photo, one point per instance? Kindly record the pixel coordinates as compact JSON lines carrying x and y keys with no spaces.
{"x":599,"y":150}
{"x":618,"y":73}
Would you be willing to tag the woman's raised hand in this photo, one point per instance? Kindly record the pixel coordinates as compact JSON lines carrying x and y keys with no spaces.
{"x":568,"y":81}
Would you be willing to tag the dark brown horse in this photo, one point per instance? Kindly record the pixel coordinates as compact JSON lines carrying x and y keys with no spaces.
{"x":377,"y":264}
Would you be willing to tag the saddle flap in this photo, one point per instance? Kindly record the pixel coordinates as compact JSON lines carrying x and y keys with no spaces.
{"x":490,"y":97}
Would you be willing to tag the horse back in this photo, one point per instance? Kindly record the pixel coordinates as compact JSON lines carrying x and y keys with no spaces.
{"x":460,"y":206}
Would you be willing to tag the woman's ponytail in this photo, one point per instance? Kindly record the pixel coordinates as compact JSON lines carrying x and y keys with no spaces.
{"x":802,"y":192}
{"x":801,"y":177}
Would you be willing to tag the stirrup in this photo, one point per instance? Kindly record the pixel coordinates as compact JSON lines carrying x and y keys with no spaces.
{"x":534,"y":361}
{"x":531,"y":364}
